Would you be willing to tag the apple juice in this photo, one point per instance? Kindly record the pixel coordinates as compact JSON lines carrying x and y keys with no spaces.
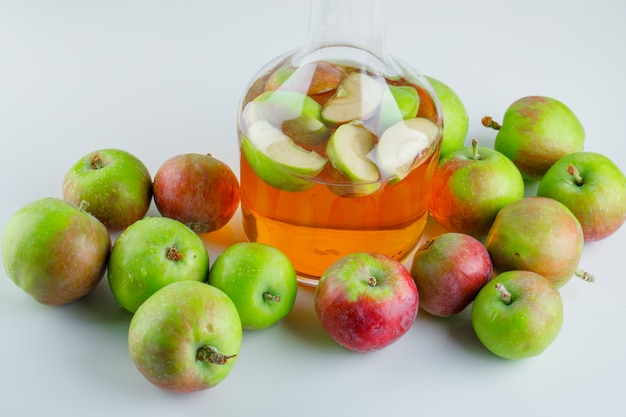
{"x":313,"y":199}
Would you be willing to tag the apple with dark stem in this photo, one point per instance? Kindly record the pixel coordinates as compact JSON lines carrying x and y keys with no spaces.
{"x":114,"y":183}
{"x":535,"y":132}
{"x":185,"y":337}
{"x":366,"y":301}
{"x":152,"y":253}
{"x":449,"y":270}
{"x":260,"y":280}
{"x":469,"y":188}
{"x":537,"y":234}
{"x":592,"y":187}
{"x":198,"y":190}
{"x":517,"y":315}
{"x":54,"y":251}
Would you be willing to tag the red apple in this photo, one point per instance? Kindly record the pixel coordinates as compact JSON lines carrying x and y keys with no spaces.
{"x":449,"y":270}
{"x":198,"y":190}
{"x":366,"y":301}
{"x":470,"y":186}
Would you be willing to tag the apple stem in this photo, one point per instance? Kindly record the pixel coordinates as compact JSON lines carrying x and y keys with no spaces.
{"x":372,"y":281}
{"x":573,"y":171}
{"x":267,"y":296}
{"x":475,"y":154}
{"x":83,"y":205}
{"x":174,"y":254}
{"x":96,"y":162}
{"x":504,"y":294}
{"x":487,"y":121}
{"x":210,"y":354}
{"x":585,"y":276}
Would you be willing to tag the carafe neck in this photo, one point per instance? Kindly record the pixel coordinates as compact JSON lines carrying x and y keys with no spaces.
{"x":353,"y":23}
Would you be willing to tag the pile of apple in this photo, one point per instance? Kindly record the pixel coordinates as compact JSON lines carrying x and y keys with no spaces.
{"x":503,"y":253}
{"x":187,"y":316}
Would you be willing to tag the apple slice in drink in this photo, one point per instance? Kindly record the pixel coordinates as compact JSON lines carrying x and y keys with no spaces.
{"x":401,"y":145}
{"x":278,"y":160}
{"x":347,"y":150}
{"x":400,"y":102}
{"x":296,"y":113}
{"x":357,"y":98}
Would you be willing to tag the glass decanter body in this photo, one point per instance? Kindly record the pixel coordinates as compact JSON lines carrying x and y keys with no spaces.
{"x":339,"y":142}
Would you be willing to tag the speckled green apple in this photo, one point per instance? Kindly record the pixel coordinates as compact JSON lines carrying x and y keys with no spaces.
{"x":517,"y":315}
{"x":535,"y":132}
{"x":114,"y":183}
{"x":55,"y":251}
{"x":469,"y":188}
{"x":260,"y":280}
{"x":592,"y":187}
{"x":537,"y":234}
{"x":186,"y":337}
{"x":152,"y":253}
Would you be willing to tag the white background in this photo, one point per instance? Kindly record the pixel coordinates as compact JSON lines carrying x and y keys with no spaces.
{"x":159,"y":78}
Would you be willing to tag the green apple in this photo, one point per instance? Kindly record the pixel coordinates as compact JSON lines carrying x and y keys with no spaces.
{"x":403,"y":145}
{"x":366,"y":301}
{"x":186,"y":337}
{"x":278,"y":160}
{"x":357,"y":98}
{"x":152,"y":253}
{"x":455,"y":118}
{"x":260,"y":280}
{"x":517,"y":315}
{"x":114,"y":183}
{"x":536,"y":131}
{"x":469,"y":188}
{"x":54,"y":251}
{"x":592,"y":187}
{"x":537,"y":234}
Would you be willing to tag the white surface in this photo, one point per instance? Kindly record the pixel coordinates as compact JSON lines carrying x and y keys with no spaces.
{"x":159,"y":78}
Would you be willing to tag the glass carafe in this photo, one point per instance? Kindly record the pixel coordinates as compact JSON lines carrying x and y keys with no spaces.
{"x":339,"y":142}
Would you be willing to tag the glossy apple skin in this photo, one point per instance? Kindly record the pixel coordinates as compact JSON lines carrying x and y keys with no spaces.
{"x":54,"y":251}
{"x":449,"y":270}
{"x":455,"y":118}
{"x":536,"y":132}
{"x":167,"y":331}
{"x":152,"y":253}
{"x":528,"y":325}
{"x":253,"y":275}
{"x":598,"y":202}
{"x":536,"y":234}
{"x":467,"y":193}
{"x":198,"y":190}
{"x":362,"y":317}
{"x":116,"y":185}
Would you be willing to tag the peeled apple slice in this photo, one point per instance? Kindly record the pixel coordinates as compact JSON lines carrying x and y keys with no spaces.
{"x":401,"y":144}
